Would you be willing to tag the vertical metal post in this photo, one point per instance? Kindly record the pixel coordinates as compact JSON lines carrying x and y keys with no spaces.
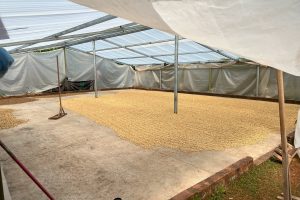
{"x":209,"y":79}
{"x":285,"y":161}
{"x":160,"y":77}
{"x":65,"y":59}
{"x":95,"y":70}
{"x":257,"y":81}
{"x":176,"y":76}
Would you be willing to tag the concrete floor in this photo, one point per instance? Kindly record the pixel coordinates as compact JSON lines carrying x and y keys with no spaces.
{"x":77,"y":159}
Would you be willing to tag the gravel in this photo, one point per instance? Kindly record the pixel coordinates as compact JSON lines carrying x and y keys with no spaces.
{"x":146,"y":118}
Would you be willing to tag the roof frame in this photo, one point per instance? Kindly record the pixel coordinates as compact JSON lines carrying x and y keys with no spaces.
{"x":81,"y":35}
{"x":134,"y":51}
{"x":135,"y":45}
{"x":168,"y":54}
{"x":76,"y":39}
{"x":70,"y":30}
{"x":113,"y":32}
{"x":115,"y":60}
{"x":143,"y":55}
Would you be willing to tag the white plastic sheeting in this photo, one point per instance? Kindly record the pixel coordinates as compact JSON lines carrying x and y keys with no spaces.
{"x":268,"y":84}
{"x":36,"y":72}
{"x":263,"y":31}
{"x":147,"y":79}
{"x":235,"y":79}
{"x":32,"y":73}
{"x":80,"y":67}
{"x":113,"y":75}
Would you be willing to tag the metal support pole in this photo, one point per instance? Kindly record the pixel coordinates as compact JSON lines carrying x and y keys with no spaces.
{"x":160,"y":77}
{"x":209,"y":80}
{"x":95,"y":70}
{"x":176,"y":76}
{"x":257,"y":80}
{"x":285,"y":161}
{"x":65,"y":59}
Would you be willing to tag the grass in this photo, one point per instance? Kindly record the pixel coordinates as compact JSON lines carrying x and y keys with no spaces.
{"x":218,"y":194}
{"x":263,"y":182}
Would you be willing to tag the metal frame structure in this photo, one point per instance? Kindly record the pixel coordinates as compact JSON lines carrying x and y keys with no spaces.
{"x":136,"y":45}
{"x":75,"y":39}
{"x":73,"y":29}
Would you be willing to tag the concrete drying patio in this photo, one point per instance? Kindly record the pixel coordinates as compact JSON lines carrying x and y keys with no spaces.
{"x":75,"y":158}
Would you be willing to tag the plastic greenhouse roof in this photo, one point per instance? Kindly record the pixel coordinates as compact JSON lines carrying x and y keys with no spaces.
{"x":36,"y":19}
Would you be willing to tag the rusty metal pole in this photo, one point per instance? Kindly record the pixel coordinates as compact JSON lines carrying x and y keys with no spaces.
{"x":285,"y":161}
{"x":65,"y":60}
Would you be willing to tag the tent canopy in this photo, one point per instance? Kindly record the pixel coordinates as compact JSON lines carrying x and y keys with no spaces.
{"x":35,"y":25}
{"x":266,"y":32}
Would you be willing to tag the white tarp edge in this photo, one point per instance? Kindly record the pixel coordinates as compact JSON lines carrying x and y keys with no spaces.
{"x":263,"y":31}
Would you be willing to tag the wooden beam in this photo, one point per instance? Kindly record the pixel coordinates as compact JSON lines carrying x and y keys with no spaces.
{"x":285,"y":160}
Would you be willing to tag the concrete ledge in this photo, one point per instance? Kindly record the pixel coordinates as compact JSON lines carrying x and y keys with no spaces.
{"x":207,"y":186}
